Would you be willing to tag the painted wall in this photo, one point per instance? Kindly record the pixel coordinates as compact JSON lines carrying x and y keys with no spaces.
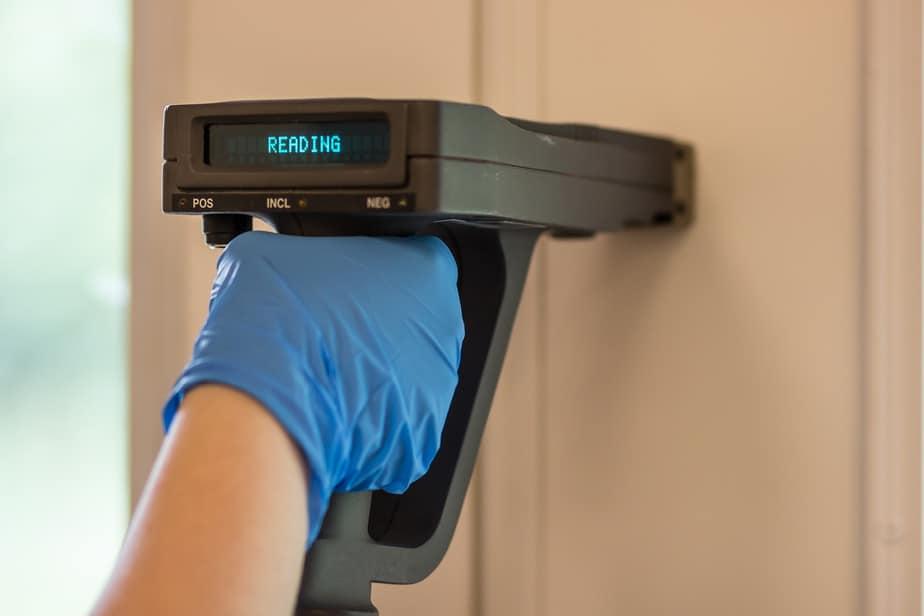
{"x":677,"y":427}
{"x":701,"y":389}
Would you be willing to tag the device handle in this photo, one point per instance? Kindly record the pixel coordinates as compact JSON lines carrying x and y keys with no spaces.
{"x":400,"y":539}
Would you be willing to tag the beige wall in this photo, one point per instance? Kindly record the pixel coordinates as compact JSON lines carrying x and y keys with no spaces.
{"x":698,"y":394}
{"x":702,"y":388}
{"x":677,"y":430}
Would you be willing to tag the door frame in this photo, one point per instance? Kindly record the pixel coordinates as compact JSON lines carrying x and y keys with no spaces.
{"x":891,"y":304}
{"x":157,"y":330}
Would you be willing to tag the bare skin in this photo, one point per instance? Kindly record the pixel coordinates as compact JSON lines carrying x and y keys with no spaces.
{"x":222,"y":523}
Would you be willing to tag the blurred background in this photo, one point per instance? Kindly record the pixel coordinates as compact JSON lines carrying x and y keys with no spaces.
{"x":720,"y":421}
{"x":64,"y":177}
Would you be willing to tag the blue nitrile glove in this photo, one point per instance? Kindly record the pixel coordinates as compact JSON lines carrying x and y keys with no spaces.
{"x":352,"y":343}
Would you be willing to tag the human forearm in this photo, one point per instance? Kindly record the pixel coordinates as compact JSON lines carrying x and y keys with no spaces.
{"x":351,"y":345}
{"x":222,"y":523}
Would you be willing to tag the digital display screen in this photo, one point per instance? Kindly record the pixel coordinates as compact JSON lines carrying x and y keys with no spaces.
{"x":297,"y":144}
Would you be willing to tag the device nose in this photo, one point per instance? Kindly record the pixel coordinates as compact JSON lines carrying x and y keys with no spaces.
{"x":220,"y":229}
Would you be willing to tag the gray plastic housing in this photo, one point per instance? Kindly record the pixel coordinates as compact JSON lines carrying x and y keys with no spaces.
{"x":488,"y":186}
{"x":447,"y":161}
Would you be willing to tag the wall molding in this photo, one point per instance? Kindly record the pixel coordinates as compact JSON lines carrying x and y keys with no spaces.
{"x":891,"y":354}
{"x":158,"y":344}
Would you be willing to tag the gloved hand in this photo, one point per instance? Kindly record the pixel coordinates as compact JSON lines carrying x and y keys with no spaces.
{"x":352,"y":343}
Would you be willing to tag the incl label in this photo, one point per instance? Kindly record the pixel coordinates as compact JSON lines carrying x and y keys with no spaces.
{"x":277,"y":203}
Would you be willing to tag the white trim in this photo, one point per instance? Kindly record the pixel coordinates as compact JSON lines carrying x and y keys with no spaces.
{"x":891,"y":533}
{"x":157,"y":315}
